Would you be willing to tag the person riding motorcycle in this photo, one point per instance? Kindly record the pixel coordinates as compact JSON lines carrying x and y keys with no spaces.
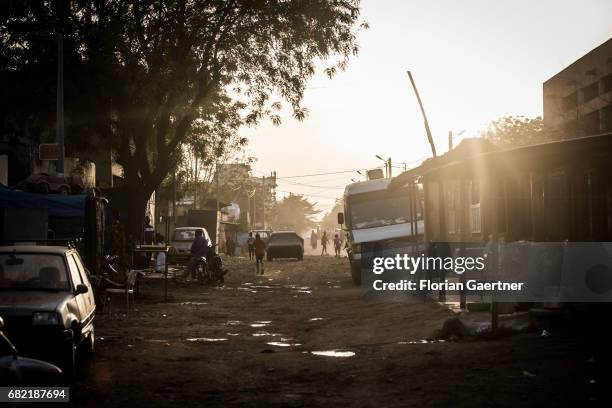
{"x":199,"y":250}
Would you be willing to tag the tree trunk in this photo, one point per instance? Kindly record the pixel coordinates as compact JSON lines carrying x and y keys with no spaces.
{"x":137,"y":199}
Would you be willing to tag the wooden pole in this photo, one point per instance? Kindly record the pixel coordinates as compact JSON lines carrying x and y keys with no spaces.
{"x":425,"y":122}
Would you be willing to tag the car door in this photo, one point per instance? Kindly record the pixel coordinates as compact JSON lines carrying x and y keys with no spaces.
{"x":88,"y":300}
{"x":77,"y":303}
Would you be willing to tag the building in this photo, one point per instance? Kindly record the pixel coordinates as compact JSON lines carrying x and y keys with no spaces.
{"x":578,"y":100}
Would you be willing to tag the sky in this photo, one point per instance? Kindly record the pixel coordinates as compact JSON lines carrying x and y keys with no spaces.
{"x":473,"y":61}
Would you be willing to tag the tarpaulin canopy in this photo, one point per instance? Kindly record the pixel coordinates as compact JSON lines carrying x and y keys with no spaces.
{"x":57,"y":205}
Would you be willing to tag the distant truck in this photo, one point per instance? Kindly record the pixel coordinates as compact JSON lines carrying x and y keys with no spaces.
{"x":377,"y":218}
{"x":208,"y":219}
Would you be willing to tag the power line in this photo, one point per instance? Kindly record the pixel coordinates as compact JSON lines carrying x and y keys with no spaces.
{"x":325,"y":174}
{"x":309,"y":195}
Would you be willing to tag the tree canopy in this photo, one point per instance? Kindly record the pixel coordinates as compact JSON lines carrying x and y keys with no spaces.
{"x":293,"y":212}
{"x":517,"y":131}
{"x":140,"y":73}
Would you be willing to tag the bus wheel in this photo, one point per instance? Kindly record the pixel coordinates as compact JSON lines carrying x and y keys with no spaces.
{"x":356,"y":274}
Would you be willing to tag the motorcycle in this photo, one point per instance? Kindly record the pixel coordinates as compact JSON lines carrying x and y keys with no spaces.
{"x":209,"y":269}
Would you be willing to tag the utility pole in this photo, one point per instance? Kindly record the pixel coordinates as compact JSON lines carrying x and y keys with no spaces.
{"x":425,"y":122}
{"x":263,"y":201}
{"x":174,"y":198}
{"x":218,"y":205}
{"x":195,"y":184}
{"x":60,"y":100}
{"x":389,"y":164}
{"x":450,"y":140}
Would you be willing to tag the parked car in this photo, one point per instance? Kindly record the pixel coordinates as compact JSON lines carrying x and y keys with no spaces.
{"x":263,"y":234}
{"x":180,"y":245}
{"x":285,"y":244}
{"x":60,"y":184}
{"x":17,"y":370}
{"x":47,"y":302}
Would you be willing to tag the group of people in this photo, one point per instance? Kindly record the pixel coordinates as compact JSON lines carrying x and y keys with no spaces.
{"x":337,"y":241}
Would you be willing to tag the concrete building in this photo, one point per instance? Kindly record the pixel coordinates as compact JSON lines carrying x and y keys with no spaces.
{"x":578,"y":100}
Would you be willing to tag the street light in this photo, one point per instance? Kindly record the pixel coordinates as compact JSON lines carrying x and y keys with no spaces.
{"x":387,"y":165}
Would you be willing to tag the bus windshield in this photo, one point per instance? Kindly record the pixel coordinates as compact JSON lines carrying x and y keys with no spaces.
{"x":379,"y":209}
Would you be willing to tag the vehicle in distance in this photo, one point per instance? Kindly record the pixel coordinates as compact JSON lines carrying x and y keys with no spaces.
{"x":60,"y":184}
{"x":47,"y":303}
{"x":285,"y":244}
{"x":263,"y":234}
{"x":180,"y":245}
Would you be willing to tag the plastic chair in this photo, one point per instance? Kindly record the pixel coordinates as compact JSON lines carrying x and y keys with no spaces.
{"x":128,"y":289}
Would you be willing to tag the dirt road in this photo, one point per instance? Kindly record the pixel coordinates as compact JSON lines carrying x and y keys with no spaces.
{"x":251,"y":343}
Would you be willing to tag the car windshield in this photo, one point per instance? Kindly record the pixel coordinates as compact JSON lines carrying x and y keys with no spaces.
{"x":379,"y":210}
{"x":33,"y":272}
{"x":184,"y":235}
{"x":285,"y":238}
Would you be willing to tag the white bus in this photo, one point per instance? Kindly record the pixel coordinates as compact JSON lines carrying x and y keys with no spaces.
{"x":392,"y":221}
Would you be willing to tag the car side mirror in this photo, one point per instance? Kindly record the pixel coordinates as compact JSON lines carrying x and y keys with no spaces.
{"x":340,"y":218}
{"x":80,"y":289}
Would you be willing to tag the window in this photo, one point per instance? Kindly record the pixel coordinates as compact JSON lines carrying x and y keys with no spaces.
{"x":74,"y":272}
{"x":451,"y":202}
{"x":607,"y":83}
{"x":590,"y":123}
{"x":569,"y":102}
{"x":590,"y":92}
{"x":475,"y":219}
{"x":33,"y":272}
{"x":606,"y":114}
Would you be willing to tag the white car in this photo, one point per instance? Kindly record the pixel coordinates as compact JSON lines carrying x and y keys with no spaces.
{"x":180,"y":245}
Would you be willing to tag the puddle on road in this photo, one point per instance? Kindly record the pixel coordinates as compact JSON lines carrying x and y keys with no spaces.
{"x":421,"y":342}
{"x":233,"y":334}
{"x":264,"y":334}
{"x":282,"y":344}
{"x":248,"y":289}
{"x":333,"y":353}
{"x":205,"y":339}
{"x":233,"y":322}
{"x":304,"y":291}
{"x":193,"y":303}
{"x":261,"y":323}
{"x":315,"y":319}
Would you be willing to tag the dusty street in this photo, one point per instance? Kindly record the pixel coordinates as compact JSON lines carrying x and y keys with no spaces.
{"x":250,"y":343}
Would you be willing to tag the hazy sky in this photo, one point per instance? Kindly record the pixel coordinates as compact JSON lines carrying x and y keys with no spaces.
{"x":472,"y":60}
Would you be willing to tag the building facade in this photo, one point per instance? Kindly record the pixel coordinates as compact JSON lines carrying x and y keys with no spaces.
{"x":578,"y":100}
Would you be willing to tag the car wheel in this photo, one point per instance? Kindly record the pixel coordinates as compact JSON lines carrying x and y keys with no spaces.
{"x":43,"y":187}
{"x":269,"y":258}
{"x":300,"y":257}
{"x":89,"y":343}
{"x":64,"y":190}
{"x":68,"y":358}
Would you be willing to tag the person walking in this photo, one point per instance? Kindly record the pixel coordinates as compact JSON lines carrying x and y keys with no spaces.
{"x":324,"y":241}
{"x":337,"y":245}
{"x":251,"y":246}
{"x":313,"y":239}
{"x":260,"y":251}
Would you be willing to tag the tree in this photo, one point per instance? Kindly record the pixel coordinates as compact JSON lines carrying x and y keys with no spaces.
{"x":516,"y":131}
{"x":330,"y":220}
{"x":293,"y":212}
{"x":139,"y":73}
